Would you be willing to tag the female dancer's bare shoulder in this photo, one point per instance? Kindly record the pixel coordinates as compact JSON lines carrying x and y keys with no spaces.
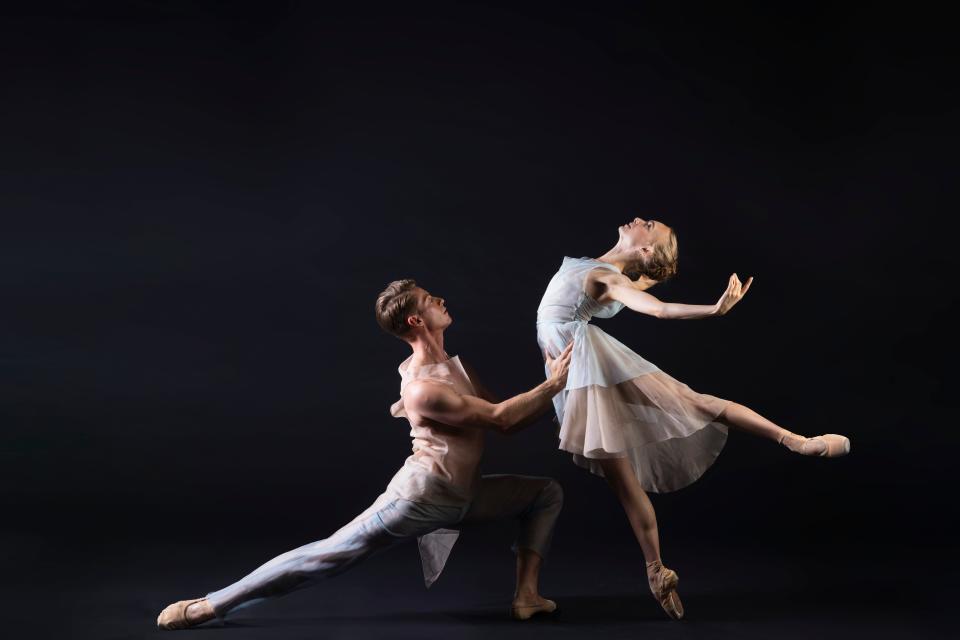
{"x":599,"y":284}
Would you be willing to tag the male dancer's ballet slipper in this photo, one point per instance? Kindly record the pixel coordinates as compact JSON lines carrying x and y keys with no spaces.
{"x":525,"y":612}
{"x":175,"y":616}
{"x":663,"y":584}
{"x":829,"y":445}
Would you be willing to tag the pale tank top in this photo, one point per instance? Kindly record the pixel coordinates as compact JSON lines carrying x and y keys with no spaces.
{"x":444,"y":468}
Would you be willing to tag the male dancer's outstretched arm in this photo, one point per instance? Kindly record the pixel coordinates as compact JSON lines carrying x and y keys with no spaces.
{"x":442,"y":404}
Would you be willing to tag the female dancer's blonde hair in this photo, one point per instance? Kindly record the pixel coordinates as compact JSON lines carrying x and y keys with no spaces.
{"x":662,"y":263}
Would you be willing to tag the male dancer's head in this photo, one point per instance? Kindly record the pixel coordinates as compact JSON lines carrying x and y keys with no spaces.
{"x":410,"y":313}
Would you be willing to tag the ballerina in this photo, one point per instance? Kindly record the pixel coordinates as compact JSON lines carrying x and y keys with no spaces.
{"x":621,"y":416}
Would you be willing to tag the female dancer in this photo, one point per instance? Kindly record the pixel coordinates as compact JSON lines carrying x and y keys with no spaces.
{"x":622,"y":417}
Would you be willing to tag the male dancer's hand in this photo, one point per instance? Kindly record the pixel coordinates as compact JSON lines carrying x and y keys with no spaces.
{"x":559,"y":366}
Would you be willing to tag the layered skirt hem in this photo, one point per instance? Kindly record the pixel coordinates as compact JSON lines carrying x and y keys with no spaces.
{"x":669,"y":432}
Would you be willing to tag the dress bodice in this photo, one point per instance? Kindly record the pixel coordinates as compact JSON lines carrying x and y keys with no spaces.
{"x":565,"y":299}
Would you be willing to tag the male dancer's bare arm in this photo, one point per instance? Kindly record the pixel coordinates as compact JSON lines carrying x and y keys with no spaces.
{"x":622,"y":289}
{"x":442,"y":404}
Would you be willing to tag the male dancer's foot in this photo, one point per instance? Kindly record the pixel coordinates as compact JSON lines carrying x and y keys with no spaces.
{"x":526,"y":605}
{"x":527,"y":601}
{"x":663,"y":584}
{"x":829,"y":445}
{"x":185,"y":614}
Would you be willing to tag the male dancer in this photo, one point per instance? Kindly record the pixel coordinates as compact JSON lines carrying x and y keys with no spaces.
{"x":439,"y":486}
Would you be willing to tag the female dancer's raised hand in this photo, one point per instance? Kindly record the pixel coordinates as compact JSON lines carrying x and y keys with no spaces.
{"x":735,"y":291}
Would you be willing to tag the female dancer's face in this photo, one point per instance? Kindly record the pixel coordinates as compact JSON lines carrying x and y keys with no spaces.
{"x":642,"y":233}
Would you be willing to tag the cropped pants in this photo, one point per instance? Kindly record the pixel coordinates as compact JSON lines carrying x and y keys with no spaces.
{"x":534,"y":502}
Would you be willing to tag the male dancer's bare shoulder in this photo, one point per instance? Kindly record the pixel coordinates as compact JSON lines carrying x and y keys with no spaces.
{"x":441,"y":403}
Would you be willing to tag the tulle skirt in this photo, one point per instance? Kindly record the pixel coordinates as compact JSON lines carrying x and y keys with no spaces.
{"x":618,"y":405}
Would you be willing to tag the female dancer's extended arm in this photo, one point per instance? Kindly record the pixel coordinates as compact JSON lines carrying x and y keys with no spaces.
{"x":622,"y":289}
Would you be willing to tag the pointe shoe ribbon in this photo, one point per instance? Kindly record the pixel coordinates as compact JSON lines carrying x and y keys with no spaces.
{"x":525,"y":612}
{"x":663,"y":585}
{"x":175,"y":616}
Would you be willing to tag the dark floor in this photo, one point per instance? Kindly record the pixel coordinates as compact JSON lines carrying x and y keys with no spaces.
{"x":728,"y":593}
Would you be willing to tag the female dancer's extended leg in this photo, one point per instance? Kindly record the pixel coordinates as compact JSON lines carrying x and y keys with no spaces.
{"x":643,"y":520}
{"x":623,"y":481}
{"x":746,"y":419}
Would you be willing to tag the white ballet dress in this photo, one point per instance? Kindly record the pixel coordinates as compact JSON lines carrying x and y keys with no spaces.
{"x":615,"y":403}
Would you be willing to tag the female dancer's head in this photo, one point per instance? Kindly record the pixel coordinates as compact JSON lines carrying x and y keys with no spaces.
{"x":649,"y":249}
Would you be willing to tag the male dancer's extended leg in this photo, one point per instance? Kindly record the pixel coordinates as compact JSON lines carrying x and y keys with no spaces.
{"x":536,"y":503}
{"x":388,"y":521}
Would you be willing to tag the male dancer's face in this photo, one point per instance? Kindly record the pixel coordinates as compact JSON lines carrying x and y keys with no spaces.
{"x":432,"y":310}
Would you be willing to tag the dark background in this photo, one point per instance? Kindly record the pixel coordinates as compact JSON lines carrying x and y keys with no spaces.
{"x":201,"y":201}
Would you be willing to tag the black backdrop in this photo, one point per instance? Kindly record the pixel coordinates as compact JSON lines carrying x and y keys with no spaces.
{"x":201,"y":202}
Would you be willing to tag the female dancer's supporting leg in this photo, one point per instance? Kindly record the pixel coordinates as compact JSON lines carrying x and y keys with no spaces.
{"x":746,"y":419}
{"x":643,"y":520}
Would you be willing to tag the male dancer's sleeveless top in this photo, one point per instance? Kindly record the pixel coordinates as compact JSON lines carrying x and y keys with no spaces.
{"x":445,"y":466}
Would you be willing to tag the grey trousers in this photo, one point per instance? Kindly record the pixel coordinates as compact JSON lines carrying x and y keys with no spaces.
{"x":534,"y":502}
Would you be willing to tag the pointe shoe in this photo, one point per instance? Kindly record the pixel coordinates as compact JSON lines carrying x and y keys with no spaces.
{"x":525,"y":612}
{"x":831,"y":445}
{"x":663,"y":585}
{"x":175,"y":616}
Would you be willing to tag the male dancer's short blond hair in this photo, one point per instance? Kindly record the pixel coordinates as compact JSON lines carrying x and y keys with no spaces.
{"x":394,"y":305}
